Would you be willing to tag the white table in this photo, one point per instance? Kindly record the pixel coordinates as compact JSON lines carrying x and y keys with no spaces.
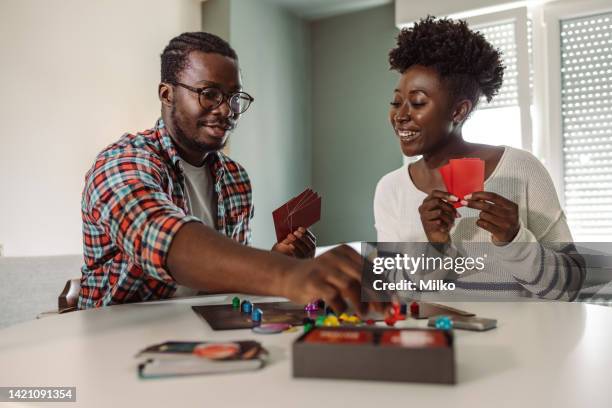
{"x":541,"y":355}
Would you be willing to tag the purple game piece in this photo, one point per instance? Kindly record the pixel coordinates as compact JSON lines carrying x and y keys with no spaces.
{"x":311,"y":307}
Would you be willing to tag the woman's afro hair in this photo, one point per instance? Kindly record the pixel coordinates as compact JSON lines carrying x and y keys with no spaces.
{"x":465,"y":61}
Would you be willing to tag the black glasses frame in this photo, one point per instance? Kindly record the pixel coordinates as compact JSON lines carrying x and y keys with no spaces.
{"x":226,"y":97}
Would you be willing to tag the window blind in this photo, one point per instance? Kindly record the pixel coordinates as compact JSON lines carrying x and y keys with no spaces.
{"x":586,"y":109}
{"x":502,"y":36}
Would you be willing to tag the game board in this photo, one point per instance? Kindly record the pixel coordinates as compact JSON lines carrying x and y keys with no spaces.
{"x":224,"y":317}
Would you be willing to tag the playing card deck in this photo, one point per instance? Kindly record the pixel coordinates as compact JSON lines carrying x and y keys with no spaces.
{"x":301,"y":211}
{"x":463,"y":176}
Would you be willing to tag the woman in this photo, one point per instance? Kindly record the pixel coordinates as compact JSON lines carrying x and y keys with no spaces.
{"x":444,"y":70}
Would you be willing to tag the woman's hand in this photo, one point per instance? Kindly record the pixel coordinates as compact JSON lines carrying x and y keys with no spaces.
{"x":438,"y":216}
{"x":498,"y":215}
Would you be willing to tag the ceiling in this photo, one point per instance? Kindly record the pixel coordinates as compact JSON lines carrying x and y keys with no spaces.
{"x":316,"y":9}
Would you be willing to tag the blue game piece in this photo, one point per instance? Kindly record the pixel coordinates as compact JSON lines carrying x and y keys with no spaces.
{"x":247,"y":307}
{"x":256,"y":315}
{"x":444,"y":323}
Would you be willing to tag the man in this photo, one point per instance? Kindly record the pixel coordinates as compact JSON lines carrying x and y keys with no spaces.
{"x":165,"y":211}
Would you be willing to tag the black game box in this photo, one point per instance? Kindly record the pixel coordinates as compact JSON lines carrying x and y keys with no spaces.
{"x":376,"y":353}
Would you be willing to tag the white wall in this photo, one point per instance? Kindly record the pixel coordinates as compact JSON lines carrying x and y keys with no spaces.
{"x":75,"y":76}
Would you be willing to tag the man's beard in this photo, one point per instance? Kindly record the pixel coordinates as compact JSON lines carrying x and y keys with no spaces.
{"x":181,"y":135}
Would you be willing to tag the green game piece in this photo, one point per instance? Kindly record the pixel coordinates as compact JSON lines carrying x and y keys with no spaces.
{"x":320,"y":321}
{"x":307,"y":327}
{"x":235,"y":303}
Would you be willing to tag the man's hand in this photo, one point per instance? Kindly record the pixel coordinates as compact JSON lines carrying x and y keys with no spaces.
{"x":300,"y":244}
{"x":498,"y":215}
{"x":438,"y":216}
{"x":333,"y":277}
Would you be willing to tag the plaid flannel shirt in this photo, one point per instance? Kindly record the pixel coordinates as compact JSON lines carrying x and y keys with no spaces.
{"x":134,"y":203}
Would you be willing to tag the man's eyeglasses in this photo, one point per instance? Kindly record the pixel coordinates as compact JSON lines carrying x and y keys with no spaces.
{"x":210,"y":97}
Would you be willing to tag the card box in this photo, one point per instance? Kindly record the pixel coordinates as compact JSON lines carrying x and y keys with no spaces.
{"x":376,"y":353}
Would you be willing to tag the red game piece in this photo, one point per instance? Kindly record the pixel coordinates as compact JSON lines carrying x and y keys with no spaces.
{"x":396,"y":309}
{"x":414,"y":309}
{"x":369,"y":322}
{"x":390,"y":321}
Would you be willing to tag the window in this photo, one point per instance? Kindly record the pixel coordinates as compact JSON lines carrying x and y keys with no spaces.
{"x":586,"y":112}
{"x":506,"y":120}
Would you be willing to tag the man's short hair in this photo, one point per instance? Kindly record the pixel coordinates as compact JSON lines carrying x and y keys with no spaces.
{"x":174,"y":57}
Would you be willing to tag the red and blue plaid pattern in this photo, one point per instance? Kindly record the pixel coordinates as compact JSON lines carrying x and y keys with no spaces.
{"x":134,"y":203}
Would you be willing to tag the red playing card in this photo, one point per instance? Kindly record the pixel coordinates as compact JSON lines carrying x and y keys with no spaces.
{"x":289,"y":216}
{"x":306,"y":216}
{"x":462,"y":177}
{"x":281,"y":214}
{"x":447,"y":176}
{"x":307,"y":199}
{"x":468,"y":176}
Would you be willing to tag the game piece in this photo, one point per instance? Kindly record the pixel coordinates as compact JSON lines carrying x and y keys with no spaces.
{"x":320,"y":321}
{"x":390,"y":321}
{"x":354,"y":319}
{"x":396,"y":309}
{"x":308,"y":327}
{"x":329,"y":310}
{"x":247,"y":307}
{"x":271,"y":328}
{"x":370,"y":322}
{"x":331,"y":320}
{"x":235,"y":303}
{"x":321,"y":304}
{"x":444,"y":323}
{"x":256,"y":315}
{"x":343,"y":317}
{"x":414,"y":309}
{"x":311,"y":307}
{"x":404,"y":309}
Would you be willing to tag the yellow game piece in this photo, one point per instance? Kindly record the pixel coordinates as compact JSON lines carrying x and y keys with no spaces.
{"x":331,"y":320}
{"x":353,"y":319}
{"x":343,"y":317}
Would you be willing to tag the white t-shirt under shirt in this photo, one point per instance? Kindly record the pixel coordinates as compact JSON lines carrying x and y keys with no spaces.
{"x":519,"y":177}
{"x":201,"y":202}
{"x":200,"y":193}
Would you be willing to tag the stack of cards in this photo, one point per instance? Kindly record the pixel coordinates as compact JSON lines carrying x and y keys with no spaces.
{"x":301,"y":211}
{"x":463,"y":176}
{"x":178,"y":358}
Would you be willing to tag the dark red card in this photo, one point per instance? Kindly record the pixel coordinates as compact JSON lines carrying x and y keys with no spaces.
{"x":305,"y":216}
{"x":301,"y":211}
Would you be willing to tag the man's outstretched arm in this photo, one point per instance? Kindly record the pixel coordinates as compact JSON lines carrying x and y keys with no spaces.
{"x":204,"y":259}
